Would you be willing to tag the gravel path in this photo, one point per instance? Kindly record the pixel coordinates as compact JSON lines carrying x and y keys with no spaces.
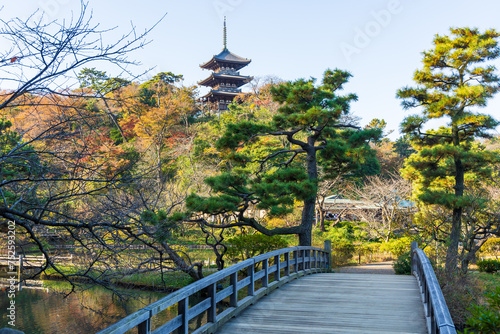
{"x":381,"y":268}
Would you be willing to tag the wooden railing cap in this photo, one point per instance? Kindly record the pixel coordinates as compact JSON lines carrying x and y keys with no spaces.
{"x":441,"y":312}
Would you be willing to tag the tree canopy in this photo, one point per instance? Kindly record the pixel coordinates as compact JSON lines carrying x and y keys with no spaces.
{"x":452,"y":85}
{"x":272,"y":163}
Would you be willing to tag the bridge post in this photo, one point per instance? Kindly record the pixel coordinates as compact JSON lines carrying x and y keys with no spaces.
{"x":302,"y":255}
{"x":313,"y":260}
{"x":287,"y":261}
{"x":145,"y":327}
{"x":307,"y":259}
{"x":265,"y":278}
{"x":233,"y":299}
{"x":328,"y":250}
{"x":251,"y":286}
{"x":212,"y":311}
{"x":414,"y":246}
{"x":277,"y":261}
{"x":296,"y":262}
{"x":182,"y":309}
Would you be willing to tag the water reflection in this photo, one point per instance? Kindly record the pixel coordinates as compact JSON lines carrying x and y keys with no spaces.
{"x":41,"y":312}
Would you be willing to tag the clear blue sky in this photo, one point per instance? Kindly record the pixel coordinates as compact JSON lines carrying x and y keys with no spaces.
{"x":378,"y":41}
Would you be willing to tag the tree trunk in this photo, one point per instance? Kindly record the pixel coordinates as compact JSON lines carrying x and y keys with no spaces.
{"x":471,"y":255}
{"x":322,"y":220}
{"x":305,"y":237}
{"x":452,"y":251}
{"x":456,"y":222}
{"x":182,"y":265}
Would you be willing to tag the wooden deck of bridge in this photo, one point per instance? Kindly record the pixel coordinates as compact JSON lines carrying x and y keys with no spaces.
{"x":336,"y":303}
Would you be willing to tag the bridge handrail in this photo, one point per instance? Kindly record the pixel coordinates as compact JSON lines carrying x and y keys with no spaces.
{"x":440,"y":321}
{"x":304,"y":260}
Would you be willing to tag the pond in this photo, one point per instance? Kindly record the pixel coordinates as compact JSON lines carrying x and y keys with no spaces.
{"x":39,"y":311}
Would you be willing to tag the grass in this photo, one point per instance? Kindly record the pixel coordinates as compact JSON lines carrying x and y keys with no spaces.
{"x":487,"y":281}
{"x":171,"y":280}
{"x":201,"y":254}
{"x":68,"y":270}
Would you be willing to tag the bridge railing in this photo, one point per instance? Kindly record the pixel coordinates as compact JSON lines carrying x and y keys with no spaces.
{"x":294,"y":262}
{"x":438,"y":316}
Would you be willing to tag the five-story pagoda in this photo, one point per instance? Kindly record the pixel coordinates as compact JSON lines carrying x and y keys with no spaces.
{"x":225,"y":80}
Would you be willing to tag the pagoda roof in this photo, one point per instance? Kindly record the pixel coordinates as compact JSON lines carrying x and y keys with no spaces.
{"x":213,"y":79}
{"x":226,"y":56}
{"x":221,"y":93}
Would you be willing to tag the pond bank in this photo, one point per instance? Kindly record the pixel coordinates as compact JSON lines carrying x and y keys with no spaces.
{"x":50,"y":311}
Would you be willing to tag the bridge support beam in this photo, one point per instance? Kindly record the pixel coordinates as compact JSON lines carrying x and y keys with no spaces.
{"x":328,"y":250}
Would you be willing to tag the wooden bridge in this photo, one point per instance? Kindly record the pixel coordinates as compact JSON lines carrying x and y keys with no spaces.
{"x":29,"y":261}
{"x":245,"y":298}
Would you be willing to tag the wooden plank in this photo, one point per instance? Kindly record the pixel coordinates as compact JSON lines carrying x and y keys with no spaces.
{"x":259,"y":258}
{"x":170,"y":326}
{"x":199,"y":308}
{"x":336,"y":303}
{"x":127,"y":323}
{"x":224,"y":294}
{"x":244,"y":282}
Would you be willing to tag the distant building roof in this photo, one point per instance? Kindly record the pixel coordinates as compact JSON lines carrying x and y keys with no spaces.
{"x":338,"y":202}
{"x":221,"y":93}
{"x":214,"y":79}
{"x":225,"y":57}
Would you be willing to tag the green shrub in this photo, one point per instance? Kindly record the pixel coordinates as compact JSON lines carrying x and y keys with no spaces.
{"x":243,"y":247}
{"x":397,"y":247}
{"x":345,"y":230}
{"x":373,"y":247}
{"x":342,"y":251}
{"x":491,"y":248}
{"x":489,"y":266}
{"x":485,"y":319}
{"x":402,"y":266}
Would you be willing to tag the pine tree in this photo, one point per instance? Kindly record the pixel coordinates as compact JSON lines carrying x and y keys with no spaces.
{"x":274,"y":163}
{"x":452,"y":85}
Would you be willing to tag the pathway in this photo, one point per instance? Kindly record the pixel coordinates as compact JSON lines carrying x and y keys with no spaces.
{"x":379,"y":268}
{"x":337,"y":303}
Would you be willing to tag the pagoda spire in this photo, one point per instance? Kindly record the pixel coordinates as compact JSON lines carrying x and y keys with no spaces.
{"x":225,"y":34}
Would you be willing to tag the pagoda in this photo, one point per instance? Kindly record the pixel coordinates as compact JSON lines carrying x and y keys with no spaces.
{"x":225,"y":80}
